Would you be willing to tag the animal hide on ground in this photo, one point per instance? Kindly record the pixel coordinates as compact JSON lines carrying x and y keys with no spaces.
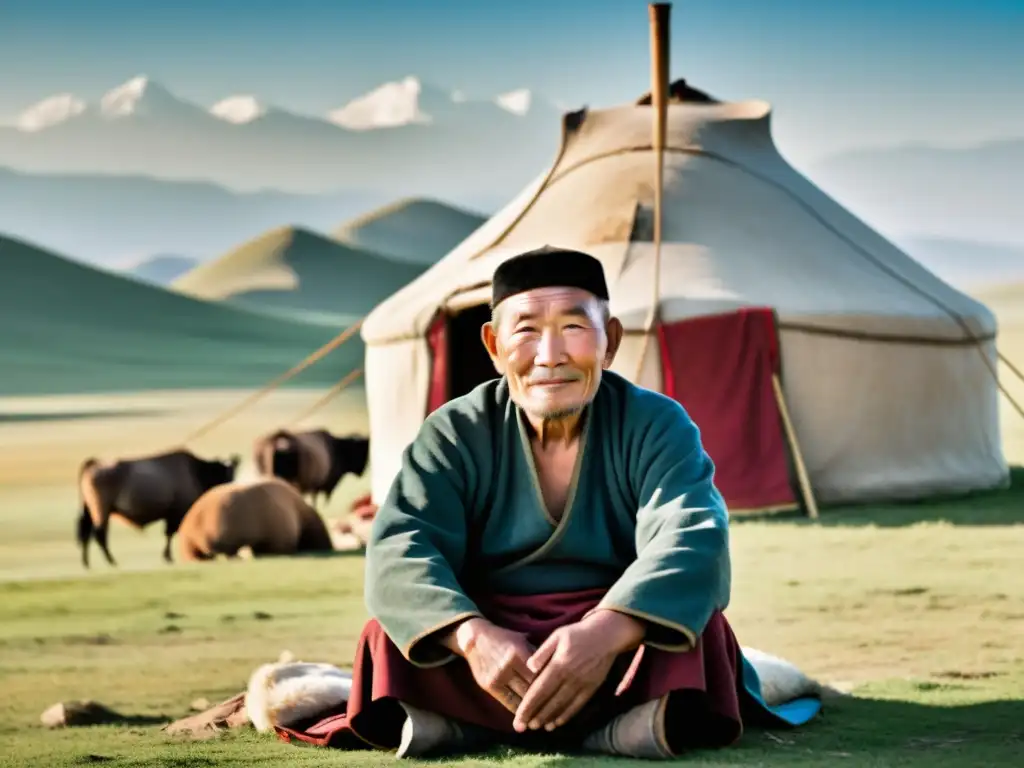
{"x":287,"y":692}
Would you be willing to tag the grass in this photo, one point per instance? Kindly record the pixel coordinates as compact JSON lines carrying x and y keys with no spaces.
{"x":52,"y":435}
{"x":918,"y":607}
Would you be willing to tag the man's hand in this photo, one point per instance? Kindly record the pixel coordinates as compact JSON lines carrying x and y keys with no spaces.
{"x":572,"y":664}
{"x":496,"y":657}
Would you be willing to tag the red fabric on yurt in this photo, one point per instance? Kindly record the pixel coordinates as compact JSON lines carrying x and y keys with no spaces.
{"x":720,"y":369}
{"x":437,"y":338}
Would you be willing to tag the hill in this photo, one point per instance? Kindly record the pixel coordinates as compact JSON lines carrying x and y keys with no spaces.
{"x":162,"y":270}
{"x":970,"y":193}
{"x":420,"y":230}
{"x":106,"y":219}
{"x":293,"y":269}
{"x":69,"y":328}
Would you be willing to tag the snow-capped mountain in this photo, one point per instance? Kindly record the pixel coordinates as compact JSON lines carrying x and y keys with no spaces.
{"x":407,"y":137}
{"x":410,"y":101}
{"x":50,"y":111}
{"x":142,"y":97}
{"x":137,"y":98}
{"x":239,"y":109}
{"x":517,"y":102}
{"x":387,"y":106}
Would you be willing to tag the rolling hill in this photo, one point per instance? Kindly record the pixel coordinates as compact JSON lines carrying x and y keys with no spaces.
{"x":419,"y":230}
{"x":294,"y":270}
{"x":161,"y":270}
{"x":69,"y":328}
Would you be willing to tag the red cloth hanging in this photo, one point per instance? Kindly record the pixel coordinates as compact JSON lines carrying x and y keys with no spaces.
{"x":719,"y":367}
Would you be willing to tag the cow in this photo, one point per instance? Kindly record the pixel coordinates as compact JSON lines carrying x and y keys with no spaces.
{"x":314,"y":461}
{"x":266,"y":514}
{"x":142,"y":491}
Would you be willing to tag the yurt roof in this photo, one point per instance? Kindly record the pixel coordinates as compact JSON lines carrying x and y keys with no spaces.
{"x":741,"y":227}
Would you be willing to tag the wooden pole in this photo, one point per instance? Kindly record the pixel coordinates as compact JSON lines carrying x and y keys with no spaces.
{"x":794,"y":446}
{"x":659,"y":15}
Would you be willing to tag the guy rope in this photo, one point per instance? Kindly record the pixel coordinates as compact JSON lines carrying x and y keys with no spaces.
{"x":326,"y":349}
{"x":328,"y":396}
{"x":1017,"y":372}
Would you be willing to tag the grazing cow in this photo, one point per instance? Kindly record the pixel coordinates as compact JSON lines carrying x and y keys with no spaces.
{"x":314,"y":462}
{"x":143,"y":491}
{"x":267,"y":515}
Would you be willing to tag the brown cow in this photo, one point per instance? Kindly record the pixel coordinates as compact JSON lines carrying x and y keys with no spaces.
{"x":142,"y":491}
{"x":267,"y":515}
{"x":314,"y":462}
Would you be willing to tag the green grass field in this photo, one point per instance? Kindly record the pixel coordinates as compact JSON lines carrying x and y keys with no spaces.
{"x":919,"y":608}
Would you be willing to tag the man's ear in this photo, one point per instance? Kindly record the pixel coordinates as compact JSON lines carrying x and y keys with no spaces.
{"x":615,"y":331}
{"x":489,"y":336}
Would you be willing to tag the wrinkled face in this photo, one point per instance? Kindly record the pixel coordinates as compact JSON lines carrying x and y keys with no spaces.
{"x":552,"y":345}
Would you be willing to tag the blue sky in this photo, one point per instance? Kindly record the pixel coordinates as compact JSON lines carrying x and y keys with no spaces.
{"x":840,"y":74}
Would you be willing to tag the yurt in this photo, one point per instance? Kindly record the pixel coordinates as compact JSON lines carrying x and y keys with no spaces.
{"x":812,"y":353}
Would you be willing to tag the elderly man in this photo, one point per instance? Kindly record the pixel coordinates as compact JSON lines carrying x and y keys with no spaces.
{"x":550,"y":566}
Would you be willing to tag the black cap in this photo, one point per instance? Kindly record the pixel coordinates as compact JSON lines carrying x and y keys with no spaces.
{"x":546,"y":267}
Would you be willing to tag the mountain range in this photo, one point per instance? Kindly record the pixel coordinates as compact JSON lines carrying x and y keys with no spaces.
{"x":117,"y":221}
{"x":141,"y":173}
{"x":405,"y":137}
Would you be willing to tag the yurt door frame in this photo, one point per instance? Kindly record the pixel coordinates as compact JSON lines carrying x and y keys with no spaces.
{"x":459,"y":360}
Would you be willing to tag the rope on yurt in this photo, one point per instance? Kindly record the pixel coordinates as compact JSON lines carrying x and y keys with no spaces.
{"x":328,"y":396}
{"x":857,"y":248}
{"x":1016,"y":371}
{"x":269,"y":387}
{"x":1010,"y":365}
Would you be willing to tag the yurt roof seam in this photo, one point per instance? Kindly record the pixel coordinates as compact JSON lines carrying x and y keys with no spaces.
{"x":551,"y":180}
{"x":571,"y":123}
{"x":562,"y":146}
{"x":553,"y":177}
{"x":884,"y":338}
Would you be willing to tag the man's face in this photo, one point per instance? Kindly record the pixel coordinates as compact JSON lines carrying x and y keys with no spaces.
{"x":552,"y":344}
